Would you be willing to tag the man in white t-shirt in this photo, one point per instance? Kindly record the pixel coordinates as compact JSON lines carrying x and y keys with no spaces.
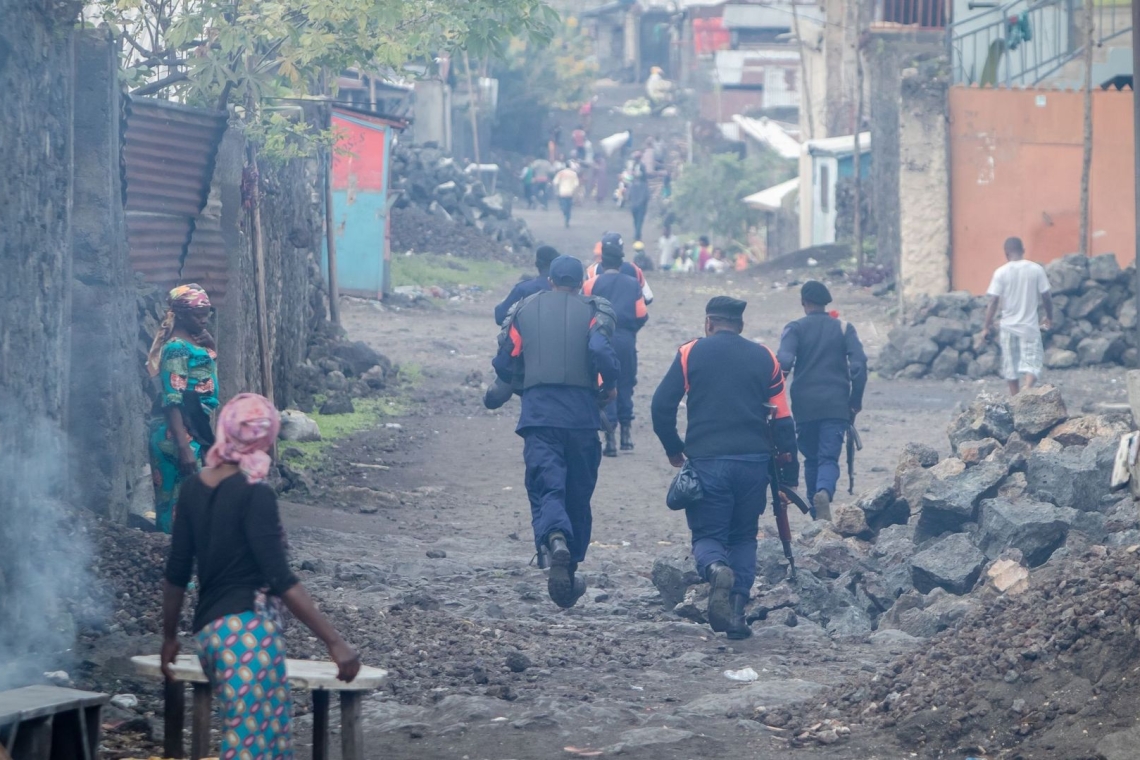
{"x":565,"y":185}
{"x":667,"y":247}
{"x":1019,"y":288}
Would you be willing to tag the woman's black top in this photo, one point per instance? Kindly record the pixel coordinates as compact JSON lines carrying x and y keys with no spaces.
{"x":234,"y":532}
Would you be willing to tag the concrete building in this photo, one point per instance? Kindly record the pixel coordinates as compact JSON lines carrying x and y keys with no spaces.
{"x":826,"y":162}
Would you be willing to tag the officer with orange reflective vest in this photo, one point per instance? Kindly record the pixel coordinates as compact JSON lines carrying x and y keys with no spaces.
{"x":542,"y":260}
{"x":627,"y":267}
{"x":734,"y":385}
{"x":559,"y":341}
{"x":624,"y":294}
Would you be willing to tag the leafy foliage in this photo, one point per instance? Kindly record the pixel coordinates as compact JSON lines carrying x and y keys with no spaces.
{"x":252,"y":53}
{"x":707,"y":197}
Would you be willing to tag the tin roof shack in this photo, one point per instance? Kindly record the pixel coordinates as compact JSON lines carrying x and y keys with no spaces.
{"x":822,"y":164}
{"x":765,"y":80}
{"x":781,"y":220}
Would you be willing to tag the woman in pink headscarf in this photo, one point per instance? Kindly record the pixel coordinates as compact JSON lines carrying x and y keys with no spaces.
{"x":227,"y":519}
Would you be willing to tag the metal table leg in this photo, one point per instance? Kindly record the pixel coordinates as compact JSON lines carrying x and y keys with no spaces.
{"x":174,"y":697}
{"x":320,"y":725}
{"x":351,"y":727}
{"x":200,"y":722}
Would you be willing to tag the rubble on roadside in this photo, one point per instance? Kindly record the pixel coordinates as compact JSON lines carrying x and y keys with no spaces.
{"x":1094,"y":324}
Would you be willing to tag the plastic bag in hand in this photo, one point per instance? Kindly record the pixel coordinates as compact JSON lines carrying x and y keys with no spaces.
{"x":685,"y":490}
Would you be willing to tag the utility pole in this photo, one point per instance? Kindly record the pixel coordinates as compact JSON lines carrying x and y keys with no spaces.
{"x":806,"y":84}
{"x":860,"y":257}
{"x":1087,"y":147}
{"x":1136,"y":148}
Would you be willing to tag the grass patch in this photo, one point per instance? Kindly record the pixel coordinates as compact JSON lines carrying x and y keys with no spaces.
{"x":370,"y":413}
{"x":424,"y":269}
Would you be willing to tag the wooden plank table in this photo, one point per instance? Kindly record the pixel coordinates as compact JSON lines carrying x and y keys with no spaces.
{"x":304,"y":675}
{"x":41,"y":722}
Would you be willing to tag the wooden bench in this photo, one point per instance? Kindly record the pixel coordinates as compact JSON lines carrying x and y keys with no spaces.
{"x":304,"y":675}
{"x":42,"y":722}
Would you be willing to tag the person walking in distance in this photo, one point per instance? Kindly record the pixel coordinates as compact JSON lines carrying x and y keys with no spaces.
{"x":565,"y":187}
{"x":543,"y":257}
{"x":638,"y":200}
{"x":625,"y":295}
{"x":1019,"y":288}
{"x":829,"y":374}
{"x":560,"y":340}
{"x":734,"y":386}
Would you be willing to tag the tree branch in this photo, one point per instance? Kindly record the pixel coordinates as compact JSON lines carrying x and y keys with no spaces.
{"x":153,"y":87}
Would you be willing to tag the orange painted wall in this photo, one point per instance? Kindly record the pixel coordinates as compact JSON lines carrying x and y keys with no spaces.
{"x":1015,"y":169}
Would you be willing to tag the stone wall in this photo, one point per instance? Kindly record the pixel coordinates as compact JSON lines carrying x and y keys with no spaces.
{"x":887,"y":54}
{"x":924,"y":185}
{"x":106,"y":409}
{"x":35,"y":215}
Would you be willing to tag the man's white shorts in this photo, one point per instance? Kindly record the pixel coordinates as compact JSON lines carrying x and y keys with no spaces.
{"x":1021,"y":356}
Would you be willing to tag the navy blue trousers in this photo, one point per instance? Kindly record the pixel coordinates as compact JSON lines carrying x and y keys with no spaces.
{"x":625,"y":346}
{"x":561,"y":472}
{"x":725,"y":523}
{"x":821,"y":443}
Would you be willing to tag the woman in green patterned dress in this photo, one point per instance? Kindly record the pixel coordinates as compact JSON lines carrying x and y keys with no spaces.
{"x":183,"y":359}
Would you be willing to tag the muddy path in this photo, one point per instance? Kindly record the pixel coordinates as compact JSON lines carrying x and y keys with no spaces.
{"x":433,"y":579}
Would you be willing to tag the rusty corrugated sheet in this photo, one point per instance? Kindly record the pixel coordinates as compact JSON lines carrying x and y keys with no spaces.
{"x":168,"y":164}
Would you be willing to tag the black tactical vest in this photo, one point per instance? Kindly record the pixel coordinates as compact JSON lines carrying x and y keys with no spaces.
{"x":555,"y":330}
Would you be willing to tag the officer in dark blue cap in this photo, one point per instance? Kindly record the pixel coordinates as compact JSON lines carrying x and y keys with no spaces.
{"x":553,"y":348}
{"x":732,"y":385}
{"x":625,"y":295}
{"x":829,"y":373}
{"x":543,"y":258}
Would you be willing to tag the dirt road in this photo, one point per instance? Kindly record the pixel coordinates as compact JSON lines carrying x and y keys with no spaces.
{"x":436,"y":584}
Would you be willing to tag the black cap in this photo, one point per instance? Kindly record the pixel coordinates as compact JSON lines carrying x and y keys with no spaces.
{"x":815,"y":292}
{"x":545,"y":255}
{"x":612,"y":243}
{"x":726,"y":307}
{"x":567,"y":271}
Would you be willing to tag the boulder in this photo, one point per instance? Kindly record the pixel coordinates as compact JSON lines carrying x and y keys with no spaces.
{"x":1067,"y":478}
{"x":336,"y":381}
{"x":338,"y":405}
{"x":673,"y":573}
{"x":1014,"y":486}
{"x":952,"y":502}
{"x":945,"y":365}
{"x":882,"y":507}
{"x":1037,"y":410}
{"x":850,"y":521}
{"x":1100,"y":348}
{"x":986,"y":417}
{"x":914,"y":371}
{"x":944,"y":331}
{"x":1127,"y":314}
{"x":921,"y":455}
{"x":983,"y":366}
{"x":357,"y":358}
{"x":1089,"y":304}
{"x":1066,"y":276}
{"x":889,"y":362}
{"x":1059,"y":358}
{"x":309,"y":378}
{"x":296,"y":426}
{"x":973,"y":452}
{"x":1104,"y":268}
{"x":952,"y":563}
{"x":1079,"y":431}
{"x":376,"y":378}
{"x":1035,"y":528}
{"x":913,"y":345}
{"x":948,"y":468}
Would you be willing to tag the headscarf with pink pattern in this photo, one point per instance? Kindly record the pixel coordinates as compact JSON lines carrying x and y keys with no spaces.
{"x":247,"y":427}
{"x":182,"y":299}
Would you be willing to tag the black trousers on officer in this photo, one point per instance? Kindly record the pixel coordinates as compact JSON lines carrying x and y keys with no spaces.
{"x":625,"y":346}
{"x":561,"y":473}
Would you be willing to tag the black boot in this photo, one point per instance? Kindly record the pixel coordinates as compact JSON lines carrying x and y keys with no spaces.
{"x":721,"y":578}
{"x":560,"y":581}
{"x":738,"y":627}
{"x":610,"y":449}
{"x":626,"y":437}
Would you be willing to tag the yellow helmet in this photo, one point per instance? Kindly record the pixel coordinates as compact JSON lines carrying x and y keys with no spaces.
{"x":638,"y":245}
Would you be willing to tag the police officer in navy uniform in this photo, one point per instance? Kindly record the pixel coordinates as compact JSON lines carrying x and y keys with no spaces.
{"x":829,"y":373}
{"x":739,"y":424}
{"x":558,"y":341}
{"x":625,"y":294}
{"x":542,"y":260}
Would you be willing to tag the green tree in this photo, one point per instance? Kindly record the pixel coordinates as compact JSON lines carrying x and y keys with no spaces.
{"x":251,"y":53}
{"x":707,"y":198}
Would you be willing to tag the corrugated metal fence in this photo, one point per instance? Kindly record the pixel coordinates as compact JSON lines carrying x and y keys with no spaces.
{"x":168,"y":164}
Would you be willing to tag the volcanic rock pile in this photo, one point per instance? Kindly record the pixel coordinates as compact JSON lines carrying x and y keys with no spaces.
{"x":1023,"y":478}
{"x":457,"y":214}
{"x":1094,"y":324}
{"x":338,"y":371}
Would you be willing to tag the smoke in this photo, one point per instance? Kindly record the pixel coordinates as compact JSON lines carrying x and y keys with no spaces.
{"x":44,"y":552}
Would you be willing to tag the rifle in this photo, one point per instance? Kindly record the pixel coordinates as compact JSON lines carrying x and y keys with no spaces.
{"x":854,"y":443}
{"x":779,"y":509}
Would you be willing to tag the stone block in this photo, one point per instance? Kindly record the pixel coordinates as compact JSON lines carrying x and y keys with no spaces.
{"x":1037,"y":410}
{"x":945,"y":365}
{"x":1035,"y":528}
{"x":1100,"y":348}
{"x":1079,"y":431}
{"x":952,"y":563}
{"x":1060,"y":358}
{"x":1104,"y":268}
{"x":952,"y":502}
{"x":673,"y":574}
{"x":986,"y":417}
{"x":974,"y":452}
